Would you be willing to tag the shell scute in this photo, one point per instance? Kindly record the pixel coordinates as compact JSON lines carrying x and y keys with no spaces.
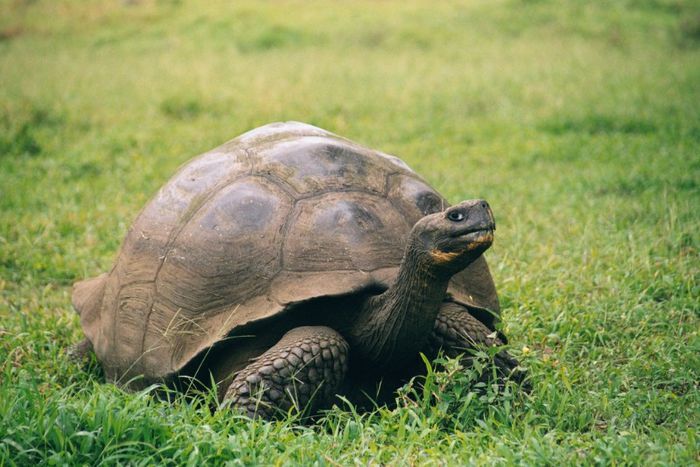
{"x":230,"y":248}
{"x":315,"y":164}
{"x":337,"y":231}
{"x":272,"y":133}
{"x":160,"y":220}
{"x":414,"y":197}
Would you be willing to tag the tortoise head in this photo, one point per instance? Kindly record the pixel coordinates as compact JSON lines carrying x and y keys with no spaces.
{"x":450,"y":240}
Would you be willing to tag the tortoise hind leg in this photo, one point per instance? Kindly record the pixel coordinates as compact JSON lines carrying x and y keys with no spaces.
{"x":457,"y":332}
{"x":305,"y":369}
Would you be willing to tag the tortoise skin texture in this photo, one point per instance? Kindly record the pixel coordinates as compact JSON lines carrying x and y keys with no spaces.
{"x":303,"y":370}
{"x":279,"y":216}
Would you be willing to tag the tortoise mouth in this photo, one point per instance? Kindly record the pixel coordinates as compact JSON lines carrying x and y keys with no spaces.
{"x":475,"y":229}
{"x":476,"y":238}
{"x":464,"y":245}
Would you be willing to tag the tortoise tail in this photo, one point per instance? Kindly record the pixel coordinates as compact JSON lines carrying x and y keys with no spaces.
{"x":87,"y":295}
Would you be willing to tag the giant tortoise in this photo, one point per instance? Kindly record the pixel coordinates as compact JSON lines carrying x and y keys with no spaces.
{"x":289,"y":265}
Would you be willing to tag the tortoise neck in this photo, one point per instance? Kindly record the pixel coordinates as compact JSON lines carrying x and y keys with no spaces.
{"x":394,"y":326}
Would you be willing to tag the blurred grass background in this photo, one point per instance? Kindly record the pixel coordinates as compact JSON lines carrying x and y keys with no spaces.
{"x":579,"y":122}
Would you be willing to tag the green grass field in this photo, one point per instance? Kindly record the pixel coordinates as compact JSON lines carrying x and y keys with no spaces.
{"x":578,"y":121}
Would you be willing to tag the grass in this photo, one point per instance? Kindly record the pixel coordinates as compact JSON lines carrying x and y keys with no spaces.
{"x":578,"y":121}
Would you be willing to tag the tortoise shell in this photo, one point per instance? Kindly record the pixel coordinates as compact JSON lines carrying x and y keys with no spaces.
{"x":282,"y":214}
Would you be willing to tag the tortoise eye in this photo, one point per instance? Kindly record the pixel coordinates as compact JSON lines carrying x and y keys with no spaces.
{"x":455,"y":216}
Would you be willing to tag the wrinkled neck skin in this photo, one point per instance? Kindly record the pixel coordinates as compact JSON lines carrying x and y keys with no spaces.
{"x":394,"y":326}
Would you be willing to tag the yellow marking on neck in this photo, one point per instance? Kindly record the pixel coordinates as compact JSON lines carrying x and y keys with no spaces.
{"x":485,"y":239}
{"x":443,"y":257}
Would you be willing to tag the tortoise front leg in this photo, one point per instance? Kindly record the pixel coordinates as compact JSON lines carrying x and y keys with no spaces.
{"x":305,"y":369}
{"x":457,"y":333}
{"x":80,"y":351}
